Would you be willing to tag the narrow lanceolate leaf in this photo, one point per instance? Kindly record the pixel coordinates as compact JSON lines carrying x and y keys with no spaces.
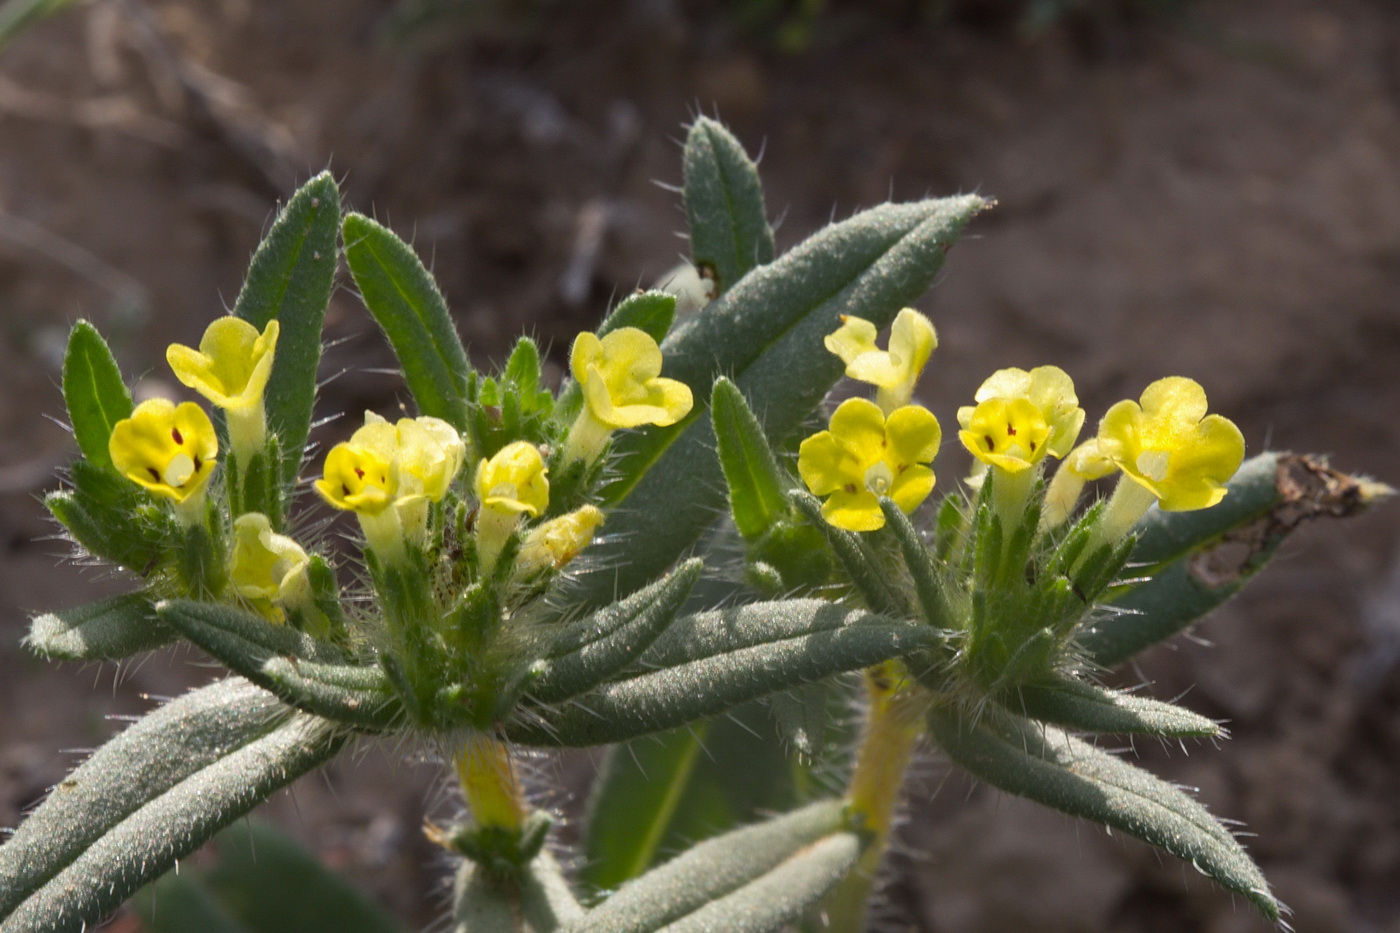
{"x":1203,"y":558}
{"x":613,"y":637}
{"x":94,"y":392}
{"x":107,"y":630}
{"x":290,"y":279}
{"x":151,"y":796}
{"x":711,"y":870}
{"x":853,"y":551}
{"x":660,"y":794}
{"x":1085,"y":707}
{"x":303,"y":672}
{"x":1055,"y":769}
{"x":403,"y":298}
{"x":685,"y":692}
{"x":766,"y":334}
{"x":729,"y":231}
{"x":757,"y":487}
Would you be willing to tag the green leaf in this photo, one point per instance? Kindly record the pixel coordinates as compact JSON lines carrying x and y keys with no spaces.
{"x":107,"y":630}
{"x":1211,"y":553}
{"x":1085,"y":707}
{"x":94,"y":392}
{"x":766,"y":334}
{"x":1055,"y":769}
{"x":183,"y":903}
{"x":290,"y":279}
{"x":729,"y":231}
{"x":151,"y":796}
{"x":650,"y":312}
{"x":718,"y":661}
{"x":403,"y":298}
{"x":112,"y":518}
{"x":614,"y":637}
{"x":866,"y":570}
{"x":660,"y":794}
{"x":303,"y":672}
{"x":757,"y":487}
{"x":708,"y":872}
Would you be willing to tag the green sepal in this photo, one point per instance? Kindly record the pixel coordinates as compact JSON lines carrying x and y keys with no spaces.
{"x":1210,"y":554}
{"x":325,"y":596}
{"x":512,"y":407}
{"x":107,"y":630}
{"x":709,"y":873}
{"x":857,"y":556}
{"x":290,"y":278}
{"x":1053,"y":768}
{"x":94,"y":392}
{"x":610,"y":639}
{"x":400,"y":293}
{"x":150,"y":796}
{"x":534,"y":900}
{"x":201,"y":554}
{"x":301,"y":671}
{"x":503,"y":851}
{"x":729,"y":230}
{"x":113,"y":518}
{"x":254,"y":486}
{"x":1084,"y":707}
{"x":705,"y":670}
{"x":757,"y":486}
{"x":767,"y":335}
{"x":932,"y":601}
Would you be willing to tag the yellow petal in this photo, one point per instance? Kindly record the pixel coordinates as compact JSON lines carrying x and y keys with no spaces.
{"x":912,"y":486}
{"x":168,"y":449}
{"x":231,"y":366}
{"x":854,"y":511}
{"x":514,"y":480}
{"x":914,"y":436}
{"x":825,"y":466}
{"x":357,"y":480}
{"x":854,"y":337}
{"x":912,"y":340}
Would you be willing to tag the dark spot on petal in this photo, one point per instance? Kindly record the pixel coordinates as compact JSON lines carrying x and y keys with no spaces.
{"x":177,"y":436}
{"x":1010,"y":429}
{"x":345,"y":490}
{"x":991,"y":444}
{"x":198,"y":464}
{"x":359,"y":472}
{"x":849,"y":487}
{"x":155,"y":474}
{"x":1032,"y":446}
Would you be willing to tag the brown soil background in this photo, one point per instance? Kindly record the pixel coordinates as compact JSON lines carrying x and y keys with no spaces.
{"x":1223,"y":204}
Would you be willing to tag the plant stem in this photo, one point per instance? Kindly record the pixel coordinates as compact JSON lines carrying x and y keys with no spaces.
{"x":893,"y":725}
{"x":487,"y":774}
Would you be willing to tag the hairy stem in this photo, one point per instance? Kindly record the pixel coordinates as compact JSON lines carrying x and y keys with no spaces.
{"x":487,"y":774}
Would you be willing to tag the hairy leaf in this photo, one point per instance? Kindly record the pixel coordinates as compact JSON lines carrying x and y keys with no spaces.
{"x":94,"y":392}
{"x":1086,"y":707}
{"x":1055,"y":769}
{"x":400,"y":293}
{"x":107,"y":630}
{"x":729,"y":231}
{"x":150,"y":796}
{"x":757,"y":487}
{"x":290,"y":279}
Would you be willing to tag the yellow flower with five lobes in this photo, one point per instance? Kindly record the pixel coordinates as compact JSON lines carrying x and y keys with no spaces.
{"x":358,"y":479}
{"x":864,"y":456}
{"x":514,"y":481}
{"x":231,"y":369}
{"x":1168,"y":445}
{"x":266,"y":567}
{"x":1020,"y":417}
{"x":512,"y":484}
{"x":558,"y":541}
{"x":620,"y":376}
{"x":894,"y":371}
{"x":1084,"y":463}
{"x":168,"y":449}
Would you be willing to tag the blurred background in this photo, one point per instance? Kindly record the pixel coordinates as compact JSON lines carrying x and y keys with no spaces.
{"x":1206,"y":188}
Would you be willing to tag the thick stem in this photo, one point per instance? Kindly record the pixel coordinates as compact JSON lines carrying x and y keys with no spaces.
{"x":487,"y":774}
{"x":893,"y":725}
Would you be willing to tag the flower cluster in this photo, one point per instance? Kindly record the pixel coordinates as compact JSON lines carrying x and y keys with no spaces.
{"x":1166,"y":446}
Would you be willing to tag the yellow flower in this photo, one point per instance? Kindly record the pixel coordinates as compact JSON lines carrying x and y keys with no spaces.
{"x":895,"y":371}
{"x":358,"y":479}
{"x":266,"y":567}
{"x":430,"y":453}
{"x":167,"y":448}
{"x":231,"y":369}
{"x":865,"y":456}
{"x":514,"y":481}
{"x":1020,"y":417}
{"x":558,"y":541}
{"x":1169,"y":445}
{"x":511,"y":485}
{"x":1086,"y":462}
{"x":620,"y":376}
